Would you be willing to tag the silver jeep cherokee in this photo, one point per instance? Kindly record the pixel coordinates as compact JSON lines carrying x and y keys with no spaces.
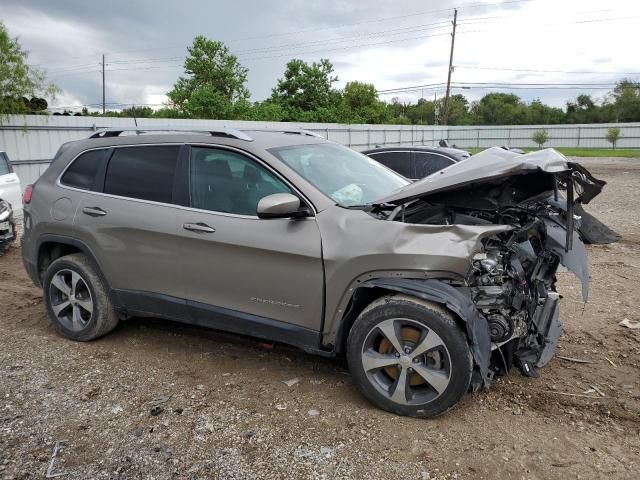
{"x":429,"y":288}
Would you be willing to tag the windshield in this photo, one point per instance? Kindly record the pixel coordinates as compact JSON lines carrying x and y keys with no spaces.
{"x":349,"y":178}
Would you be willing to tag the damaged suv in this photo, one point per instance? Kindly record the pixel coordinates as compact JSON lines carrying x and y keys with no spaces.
{"x":429,"y":288}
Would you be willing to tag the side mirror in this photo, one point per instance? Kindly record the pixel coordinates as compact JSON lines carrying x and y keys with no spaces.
{"x":280,"y":205}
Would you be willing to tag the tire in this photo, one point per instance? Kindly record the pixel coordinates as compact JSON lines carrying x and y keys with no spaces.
{"x":434,"y":367}
{"x":81,"y":313}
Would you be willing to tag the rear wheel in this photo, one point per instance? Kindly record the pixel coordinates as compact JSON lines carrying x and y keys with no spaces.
{"x":408,"y":356}
{"x":77,"y":300}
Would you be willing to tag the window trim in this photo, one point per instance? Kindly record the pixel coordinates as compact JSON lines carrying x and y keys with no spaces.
{"x":180,"y":172}
{"x":260,"y":162}
{"x":98,"y":181}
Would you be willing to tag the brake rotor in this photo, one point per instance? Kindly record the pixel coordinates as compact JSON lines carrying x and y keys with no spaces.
{"x":410,"y":337}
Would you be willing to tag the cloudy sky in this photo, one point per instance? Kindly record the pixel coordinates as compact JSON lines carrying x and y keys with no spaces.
{"x":513,"y":45}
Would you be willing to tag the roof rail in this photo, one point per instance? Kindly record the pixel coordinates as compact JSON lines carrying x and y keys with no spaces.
{"x":214,"y":132}
{"x":295,"y":131}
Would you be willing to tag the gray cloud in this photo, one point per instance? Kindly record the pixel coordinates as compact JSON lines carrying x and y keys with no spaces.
{"x":145,"y":41}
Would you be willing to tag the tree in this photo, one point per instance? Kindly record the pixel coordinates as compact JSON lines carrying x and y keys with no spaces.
{"x":361,"y":104}
{"x":613,"y":134}
{"x":215,"y":83}
{"x":540,"y":137}
{"x":137,"y":112}
{"x":499,"y":109}
{"x":538,"y":113}
{"x":306,"y":88}
{"x":21,"y":85}
{"x":626,"y":97}
{"x":267,"y":111}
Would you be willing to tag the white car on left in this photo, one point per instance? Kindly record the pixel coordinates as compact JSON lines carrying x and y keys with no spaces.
{"x":10,"y":202}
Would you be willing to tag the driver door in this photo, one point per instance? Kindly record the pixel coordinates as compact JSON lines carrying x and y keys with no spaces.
{"x":243,"y":273}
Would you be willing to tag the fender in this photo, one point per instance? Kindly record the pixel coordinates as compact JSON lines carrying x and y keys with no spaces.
{"x":454,"y":299}
{"x":85,"y":249}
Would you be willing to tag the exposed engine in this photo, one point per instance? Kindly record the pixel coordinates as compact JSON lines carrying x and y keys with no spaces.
{"x":512,"y":281}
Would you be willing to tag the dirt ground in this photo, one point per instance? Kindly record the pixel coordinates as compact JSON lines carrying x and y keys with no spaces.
{"x":224,"y":411}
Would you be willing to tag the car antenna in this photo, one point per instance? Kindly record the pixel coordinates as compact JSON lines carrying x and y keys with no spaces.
{"x":133,"y":112}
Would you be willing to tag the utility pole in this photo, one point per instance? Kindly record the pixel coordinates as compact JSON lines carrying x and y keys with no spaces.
{"x":103,"y":95}
{"x":445,"y":116}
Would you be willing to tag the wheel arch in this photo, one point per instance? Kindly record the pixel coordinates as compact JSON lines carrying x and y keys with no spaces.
{"x":464,"y":311}
{"x":51,"y":247}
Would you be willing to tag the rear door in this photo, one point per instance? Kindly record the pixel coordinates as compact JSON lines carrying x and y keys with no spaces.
{"x":237,"y":266}
{"x":129,"y":223}
{"x":10,"y":184}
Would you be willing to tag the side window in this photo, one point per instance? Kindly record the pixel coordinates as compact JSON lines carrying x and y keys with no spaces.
{"x":428,"y":163}
{"x":5,"y":166}
{"x":397,"y":161}
{"x":225,"y":181}
{"x":142,"y":172}
{"x":82,"y":172}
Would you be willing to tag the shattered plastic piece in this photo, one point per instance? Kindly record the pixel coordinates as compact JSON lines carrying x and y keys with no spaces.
{"x":292,"y":382}
{"x":629,"y":324}
{"x":281,"y":407}
{"x":313,"y":412}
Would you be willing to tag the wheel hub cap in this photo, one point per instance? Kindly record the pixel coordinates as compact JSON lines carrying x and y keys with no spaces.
{"x":406,"y":361}
{"x":70,"y":299}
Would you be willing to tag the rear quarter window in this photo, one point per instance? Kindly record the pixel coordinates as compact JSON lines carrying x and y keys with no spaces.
{"x":84,"y":169}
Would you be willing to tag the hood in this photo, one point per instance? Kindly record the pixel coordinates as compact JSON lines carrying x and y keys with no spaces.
{"x":494,"y":165}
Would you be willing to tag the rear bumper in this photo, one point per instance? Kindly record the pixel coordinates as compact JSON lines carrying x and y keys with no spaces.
{"x":32,"y":271}
{"x":29,"y":259}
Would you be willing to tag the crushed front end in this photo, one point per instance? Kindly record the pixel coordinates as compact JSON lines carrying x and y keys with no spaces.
{"x":512,"y":277}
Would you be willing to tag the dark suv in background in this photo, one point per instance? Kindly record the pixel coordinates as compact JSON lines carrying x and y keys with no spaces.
{"x":415,"y":162}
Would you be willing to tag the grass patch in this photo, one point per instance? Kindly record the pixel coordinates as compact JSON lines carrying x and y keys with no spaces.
{"x":584,"y":152}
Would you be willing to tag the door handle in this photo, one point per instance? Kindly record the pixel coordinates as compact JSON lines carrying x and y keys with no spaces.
{"x":199,"y":227}
{"x":94,"y":211}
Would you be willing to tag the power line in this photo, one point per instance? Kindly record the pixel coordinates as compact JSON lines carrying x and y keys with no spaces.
{"x":532,"y":70}
{"x":313,"y":52}
{"x":377,"y":20}
{"x":383,"y":19}
{"x":499,"y":85}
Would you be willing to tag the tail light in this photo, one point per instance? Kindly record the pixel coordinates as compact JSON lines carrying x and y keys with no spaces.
{"x":26,"y":196}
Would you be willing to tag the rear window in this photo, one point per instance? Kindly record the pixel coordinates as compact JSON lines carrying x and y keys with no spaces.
{"x":146,"y":173}
{"x":82,"y":172}
{"x":5,"y":166}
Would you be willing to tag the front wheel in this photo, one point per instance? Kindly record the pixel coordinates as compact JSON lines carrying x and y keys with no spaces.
{"x":408,"y":356}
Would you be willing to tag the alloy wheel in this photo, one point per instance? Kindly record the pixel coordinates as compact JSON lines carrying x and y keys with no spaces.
{"x":406,"y":361}
{"x":70,"y":299}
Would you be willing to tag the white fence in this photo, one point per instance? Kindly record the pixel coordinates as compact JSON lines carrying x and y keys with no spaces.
{"x":32,"y":140}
